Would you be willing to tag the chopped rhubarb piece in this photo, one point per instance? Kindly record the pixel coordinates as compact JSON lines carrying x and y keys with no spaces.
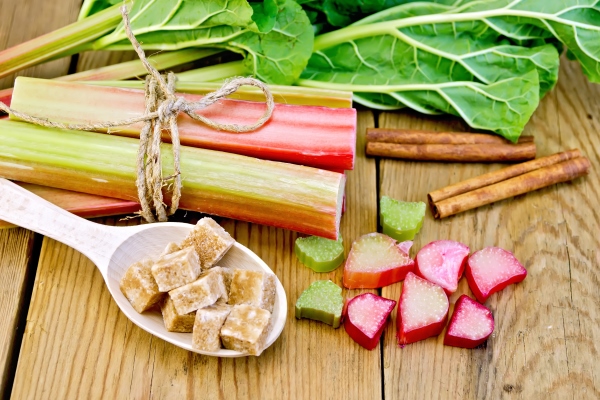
{"x":376,"y":260}
{"x":492,"y":269}
{"x":322,"y":301}
{"x":423,"y":310}
{"x":471,"y":324}
{"x":365,"y":318}
{"x":320,"y":254}
{"x":442,"y":262}
{"x":401,"y":220}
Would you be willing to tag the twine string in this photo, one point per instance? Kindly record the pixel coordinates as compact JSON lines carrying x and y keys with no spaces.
{"x":161,"y":112}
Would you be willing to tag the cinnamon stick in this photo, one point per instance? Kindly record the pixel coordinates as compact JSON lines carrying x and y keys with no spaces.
{"x":524,"y":183}
{"x":414,"y":136}
{"x":498,"y":152}
{"x":501,"y":175}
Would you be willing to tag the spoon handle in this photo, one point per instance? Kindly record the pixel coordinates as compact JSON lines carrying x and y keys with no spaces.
{"x":23,"y":208}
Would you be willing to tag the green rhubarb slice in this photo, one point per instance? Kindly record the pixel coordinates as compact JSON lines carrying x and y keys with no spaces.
{"x":320,"y":254}
{"x":322,"y":301}
{"x":401,"y":220}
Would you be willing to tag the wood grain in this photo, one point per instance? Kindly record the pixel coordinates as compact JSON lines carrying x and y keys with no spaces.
{"x":545,"y":342}
{"x":78,"y":345}
{"x":16,"y":244}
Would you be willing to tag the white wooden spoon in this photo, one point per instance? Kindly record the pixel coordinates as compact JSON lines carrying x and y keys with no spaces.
{"x":114,"y":249}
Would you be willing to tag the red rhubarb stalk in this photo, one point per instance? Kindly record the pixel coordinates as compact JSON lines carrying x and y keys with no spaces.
{"x":315,"y":136}
{"x":365,"y":317}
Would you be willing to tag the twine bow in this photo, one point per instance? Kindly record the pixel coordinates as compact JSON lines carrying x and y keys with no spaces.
{"x":162,"y":110}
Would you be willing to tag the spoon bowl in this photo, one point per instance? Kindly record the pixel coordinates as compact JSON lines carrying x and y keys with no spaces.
{"x":114,"y":249}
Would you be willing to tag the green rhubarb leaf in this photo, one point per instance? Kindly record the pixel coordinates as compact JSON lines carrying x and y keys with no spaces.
{"x":320,"y":254}
{"x":399,"y":219}
{"x":322,"y":301}
{"x":265,"y":15}
{"x":90,"y":7}
{"x":277,"y":57}
{"x":406,"y":55}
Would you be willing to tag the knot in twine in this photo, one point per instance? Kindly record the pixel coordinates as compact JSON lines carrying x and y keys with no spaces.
{"x":162,"y":110}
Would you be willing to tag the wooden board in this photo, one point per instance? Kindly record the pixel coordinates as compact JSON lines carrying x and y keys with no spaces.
{"x":16,"y":244}
{"x":78,"y":345}
{"x":546,"y":340}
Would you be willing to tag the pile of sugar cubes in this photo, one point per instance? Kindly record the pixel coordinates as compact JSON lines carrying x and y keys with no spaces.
{"x":218,"y":305}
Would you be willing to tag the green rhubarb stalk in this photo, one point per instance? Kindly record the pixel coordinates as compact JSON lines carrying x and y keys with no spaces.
{"x":82,"y":204}
{"x":316,"y":136}
{"x":401,"y":220}
{"x":283,"y":195}
{"x":58,"y":42}
{"x":213,"y":73}
{"x":129,"y":69}
{"x":302,"y":96}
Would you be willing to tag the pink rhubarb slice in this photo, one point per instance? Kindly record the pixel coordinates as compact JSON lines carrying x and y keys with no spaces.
{"x":442,"y":262}
{"x":376,"y":260}
{"x":492,"y":269}
{"x":471,"y":324}
{"x":366,"y":317}
{"x":423,"y":310}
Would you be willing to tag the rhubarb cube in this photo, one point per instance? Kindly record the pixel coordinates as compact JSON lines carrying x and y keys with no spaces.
{"x":246,"y":329}
{"x":201,"y":293}
{"x":442,"y":262}
{"x":365,"y":318}
{"x":423,"y":310}
{"x":320,"y":254}
{"x":207,"y":327}
{"x":254,"y":288}
{"x":139,"y":287}
{"x":376,"y":260}
{"x":174,"y":321}
{"x":322,"y":301}
{"x":401,"y":220}
{"x":210,"y":240}
{"x":471,"y":324}
{"x":492,"y":269}
{"x":176,"y":269}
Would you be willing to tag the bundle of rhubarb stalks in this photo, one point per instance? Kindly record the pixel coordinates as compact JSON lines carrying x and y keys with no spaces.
{"x":289,"y":173}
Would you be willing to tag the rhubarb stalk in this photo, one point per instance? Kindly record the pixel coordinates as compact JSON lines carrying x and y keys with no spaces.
{"x":316,"y":136}
{"x":300,"y":96}
{"x":284,"y":195}
{"x":59,"y":42}
{"x":129,"y":69}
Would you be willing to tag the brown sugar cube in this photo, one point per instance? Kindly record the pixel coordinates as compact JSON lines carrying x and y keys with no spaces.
{"x":246,"y":329}
{"x":255,"y":288}
{"x":175,"y":322}
{"x":201,"y":293}
{"x":207,"y":327}
{"x":171,"y":248}
{"x":210,"y":240}
{"x":139,"y":287}
{"x":176,"y":269}
{"x":227,"y":277}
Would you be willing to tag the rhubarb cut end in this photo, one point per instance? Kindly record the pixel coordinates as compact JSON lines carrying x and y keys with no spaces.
{"x":442,"y":262}
{"x":492,"y":269}
{"x":320,"y":254}
{"x":401,"y":220}
{"x":365,"y":318}
{"x":423,"y":310}
{"x":471,"y":324}
{"x":322,"y":301}
{"x":374,"y":261}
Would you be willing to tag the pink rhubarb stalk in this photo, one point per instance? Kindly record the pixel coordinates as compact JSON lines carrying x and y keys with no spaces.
{"x":315,"y":136}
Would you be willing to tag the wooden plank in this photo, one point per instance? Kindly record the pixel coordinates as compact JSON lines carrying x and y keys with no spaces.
{"x":16,"y":244}
{"x":545,"y":342}
{"x":78,"y":344}
{"x":15,"y":252}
